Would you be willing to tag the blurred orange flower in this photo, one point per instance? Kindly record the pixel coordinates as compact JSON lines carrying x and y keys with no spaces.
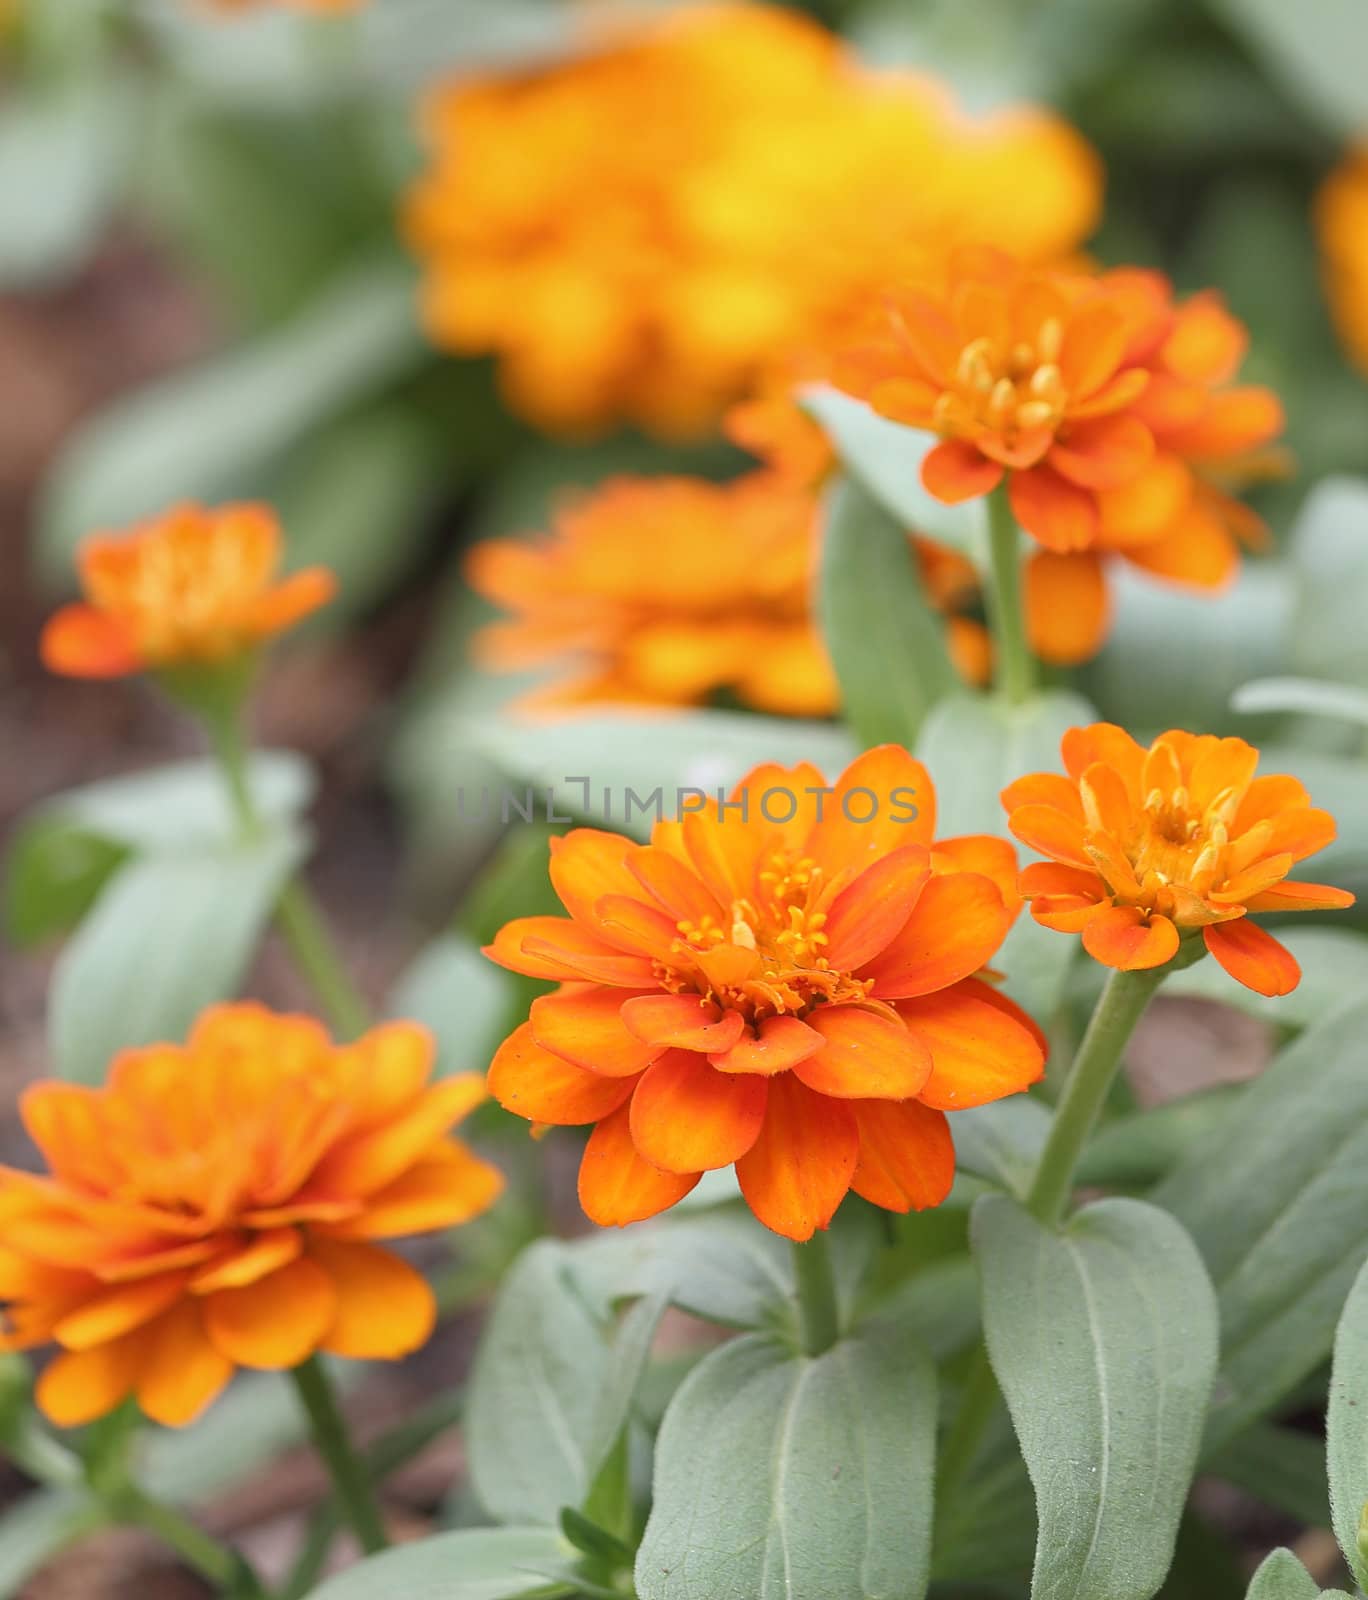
{"x":1342,"y":226}
{"x":803,"y":998}
{"x":1147,"y":846}
{"x":640,"y":232}
{"x":215,"y":1206}
{"x":194,"y":587}
{"x":667,"y":590}
{"x":297,"y":5}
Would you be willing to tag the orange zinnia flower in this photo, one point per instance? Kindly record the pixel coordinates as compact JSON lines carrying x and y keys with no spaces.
{"x":215,"y":1206}
{"x":1148,"y":846}
{"x":1342,"y":227}
{"x":803,"y":998}
{"x":640,"y":232}
{"x":195,"y":587}
{"x":667,"y":589}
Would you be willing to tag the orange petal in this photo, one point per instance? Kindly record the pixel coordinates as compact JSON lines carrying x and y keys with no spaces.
{"x":985,"y":854}
{"x":584,"y":1026}
{"x":1125,"y":938}
{"x":1253,"y":957}
{"x":1197,"y":550}
{"x":446,"y":1189}
{"x":535,"y":1083}
{"x":1145,"y":506}
{"x":77,"y":1387}
{"x":1093,"y":345}
{"x":674,"y":886}
{"x":274,"y":1323}
{"x":1293,"y":896}
{"x":288,"y":602}
{"x":929,"y":336}
{"x":182,"y":1371}
{"x":1266,"y":798}
{"x":586,"y":864}
{"x":955,"y":929}
{"x":1068,"y":608}
{"x":1301,"y":832}
{"x":1253,"y":880}
{"x":686,"y":1116}
{"x":906,"y":400}
{"x":616,"y":1185}
{"x":1051,"y":789}
{"x":776,"y":1045}
{"x":683,"y":1021}
{"x":383,"y":1307}
{"x":631,"y":923}
{"x":955,"y":470}
{"x":883,"y":801}
{"x":1114,"y":395}
{"x":1065,"y":913}
{"x":556,"y":947}
{"x":1233,"y":422}
{"x":115,"y":1312}
{"x":1104,"y":452}
{"x":263,"y":1254}
{"x":1058,"y":513}
{"x":367,"y":1161}
{"x":1206,"y":344}
{"x":867,"y":913}
{"x":81,"y":642}
{"x":907,"y":1157}
{"x":1053,"y":877}
{"x":799,"y":1169}
{"x":979,"y":1051}
{"x":1105,"y":742}
{"x":1107,"y":805}
{"x":1051,"y":833}
{"x":868,"y":1056}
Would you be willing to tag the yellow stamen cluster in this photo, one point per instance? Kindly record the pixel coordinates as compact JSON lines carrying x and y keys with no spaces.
{"x":1007,"y":392}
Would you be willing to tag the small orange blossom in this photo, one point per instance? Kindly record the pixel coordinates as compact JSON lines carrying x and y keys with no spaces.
{"x":216,"y":1206}
{"x":1342,"y":229}
{"x":1148,"y":846}
{"x":803,"y":998}
{"x":195,"y":587}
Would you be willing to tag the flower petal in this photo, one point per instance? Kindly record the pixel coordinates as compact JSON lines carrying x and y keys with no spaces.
{"x":81,"y":642}
{"x":1058,"y":513}
{"x":383,"y":1307}
{"x":955,"y":470}
{"x":1103,"y":452}
{"x":686,"y":1116}
{"x":1253,"y":956}
{"x":586,"y":864}
{"x":182,"y":1371}
{"x":442,"y":1191}
{"x":274,"y":1323}
{"x":585,"y":1026}
{"x":777,"y":1044}
{"x":1068,"y":607}
{"x":1126,"y":938}
{"x":1104,"y":741}
{"x":799,"y":1170}
{"x":1196,"y":550}
{"x":868,"y":1056}
{"x":262,"y":1254}
{"x":683,"y":1022}
{"x":556,"y":947}
{"x":1293,"y":896}
{"x":1044,"y":789}
{"x":866,"y":914}
{"x":986,"y":854}
{"x":80,"y":1386}
{"x":535,"y":1083}
{"x":617,"y":1185}
{"x":979,"y":1052}
{"x":883,"y":801}
{"x":675,"y":887}
{"x":955,"y":928}
{"x":907,"y":1157}
{"x":114,"y":1312}
{"x":1051,"y":833}
{"x":367,"y":1161}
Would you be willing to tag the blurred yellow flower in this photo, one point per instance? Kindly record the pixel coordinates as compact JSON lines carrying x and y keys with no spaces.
{"x":666,"y":590}
{"x":640,"y":233}
{"x":1342,"y":224}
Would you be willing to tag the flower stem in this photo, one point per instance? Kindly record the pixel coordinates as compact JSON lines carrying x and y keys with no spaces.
{"x":1119,"y":1008}
{"x":349,"y":1477}
{"x":301,"y":922}
{"x":1113,"y":1021}
{"x":215,"y":1562}
{"x":819,"y":1323}
{"x":1016,"y":666}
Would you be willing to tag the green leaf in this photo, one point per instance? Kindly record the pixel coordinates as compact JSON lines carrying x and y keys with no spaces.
{"x":1175,"y":656}
{"x":1329,"y":553}
{"x":886,"y":643}
{"x":1275,"y":1196}
{"x":217,"y":430}
{"x":782,"y":1478}
{"x":1314,"y":50}
{"x":1282,"y":1577}
{"x":1139,"y":1149}
{"x":973,"y":746}
{"x":54,"y":873}
{"x":1002,"y":1141}
{"x":167,"y":937}
{"x":535,"y":1386}
{"x":1346,"y":1428}
{"x":35,"y":1528}
{"x":631,"y":1352}
{"x":885,"y":459}
{"x":1311,"y":696}
{"x":1282,"y":1467}
{"x":63,"y":149}
{"x":1333,"y":961}
{"x":1104,"y":1339}
{"x":471,"y":1564}
{"x":462,"y":996}
{"x":645,"y":753}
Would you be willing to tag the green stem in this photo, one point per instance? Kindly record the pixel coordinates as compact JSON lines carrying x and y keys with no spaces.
{"x":1119,"y":1008}
{"x":819,"y":1323}
{"x":1113,"y":1021}
{"x":301,"y":922}
{"x":214,"y":1562}
{"x":1015,"y":664}
{"x":349,"y":1477}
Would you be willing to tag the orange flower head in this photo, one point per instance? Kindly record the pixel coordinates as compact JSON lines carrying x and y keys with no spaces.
{"x":666,"y":590}
{"x":193,"y":588}
{"x":217,"y":1205}
{"x":1149,"y":846}
{"x":804,"y":998}
{"x":640,"y":233}
{"x":1342,"y":230}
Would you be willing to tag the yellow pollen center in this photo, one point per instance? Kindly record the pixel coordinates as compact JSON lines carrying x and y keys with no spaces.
{"x":1005,"y":389}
